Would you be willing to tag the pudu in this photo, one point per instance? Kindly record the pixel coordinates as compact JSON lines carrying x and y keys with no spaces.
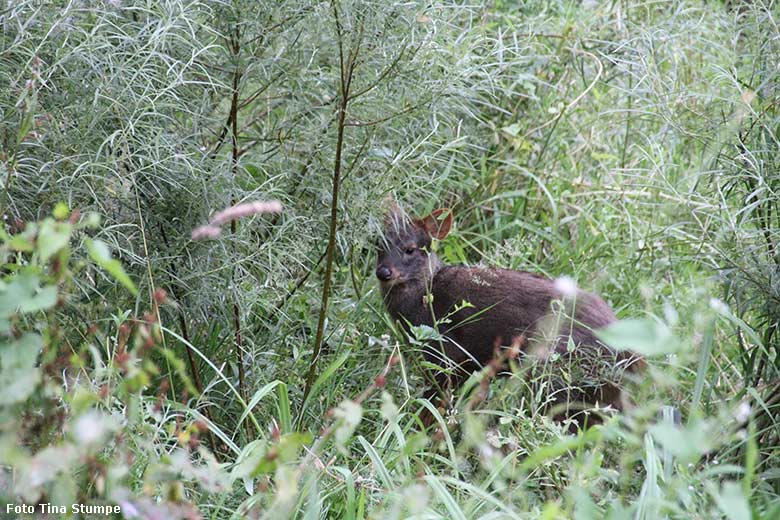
{"x":474,"y":310}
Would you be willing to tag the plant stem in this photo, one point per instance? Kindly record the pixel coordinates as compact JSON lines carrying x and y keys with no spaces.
{"x":235,"y":45}
{"x":346,"y":68}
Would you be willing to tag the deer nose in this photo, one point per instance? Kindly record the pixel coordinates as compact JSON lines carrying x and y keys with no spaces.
{"x":384,"y":273}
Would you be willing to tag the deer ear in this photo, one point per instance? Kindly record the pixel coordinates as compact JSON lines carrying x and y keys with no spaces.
{"x":435,"y":226}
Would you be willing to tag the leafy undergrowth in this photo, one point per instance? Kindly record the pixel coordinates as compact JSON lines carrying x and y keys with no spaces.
{"x":82,"y":425}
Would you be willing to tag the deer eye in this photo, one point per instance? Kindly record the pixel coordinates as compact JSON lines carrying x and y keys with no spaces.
{"x":410,"y":250}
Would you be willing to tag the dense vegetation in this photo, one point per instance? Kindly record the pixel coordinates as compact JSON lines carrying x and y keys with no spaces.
{"x":633,"y":146}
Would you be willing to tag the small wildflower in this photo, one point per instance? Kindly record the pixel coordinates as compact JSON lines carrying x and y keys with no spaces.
{"x":718,"y":306}
{"x":89,"y":429}
{"x":207,"y":231}
{"x":160,"y":296}
{"x":128,"y":509}
{"x":486,"y":451}
{"x":74,"y":216}
{"x":245,"y":210}
{"x":416,"y":498}
{"x":742,"y":413}
{"x":212,"y":230}
{"x":566,"y":286}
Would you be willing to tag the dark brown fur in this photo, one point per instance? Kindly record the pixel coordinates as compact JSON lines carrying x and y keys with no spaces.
{"x":503,"y":305}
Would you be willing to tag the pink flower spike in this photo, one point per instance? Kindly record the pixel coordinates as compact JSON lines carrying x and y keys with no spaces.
{"x":244,"y":210}
{"x":207,"y":231}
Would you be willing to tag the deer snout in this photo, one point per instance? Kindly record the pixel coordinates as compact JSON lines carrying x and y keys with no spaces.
{"x":384,"y":273}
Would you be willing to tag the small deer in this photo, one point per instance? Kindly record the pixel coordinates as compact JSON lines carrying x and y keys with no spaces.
{"x":473,"y":310}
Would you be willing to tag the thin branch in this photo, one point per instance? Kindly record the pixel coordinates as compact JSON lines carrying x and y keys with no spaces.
{"x":346,"y":73}
{"x":234,"y":107}
{"x":391,"y":116}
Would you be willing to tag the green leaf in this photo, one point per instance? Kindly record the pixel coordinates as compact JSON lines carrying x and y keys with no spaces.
{"x":23,"y":294}
{"x":687,"y":443}
{"x":285,"y":450}
{"x":732,"y":502}
{"x":513,"y":129}
{"x":424,"y":334}
{"x":22,"y":243}
{"x":18,"y":374}
{"x":249,"y":458}
{"x":379,"y":465}
{"x":45,"y":299}
{"x":325,"y":376}
{"x":350,"y":413}
{"x":283,"y":408}
{"x":101,"y":255}
{"x":643,"y":336}
{"x":445,"y":497}
{"x":259,"y":395}
{"x":52,"y":237}
{"x":289,"y":445}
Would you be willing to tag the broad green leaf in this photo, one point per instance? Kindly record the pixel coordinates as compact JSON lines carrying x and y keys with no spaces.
{"x":18,"y":374}
{"x":425,"y":333}
{"x":46,"y":298}
{"x":513,"y":129}
{"x":732,"y":502}
{"x":688,"y":442}
{"x":101,"y":255}
{"x":52,"y":237}
{"x":644,"y":336}
{"x":23,"y":294}
{"x":22,"y":243}
{"x":249,"y":459}
{"x":289,"y":445}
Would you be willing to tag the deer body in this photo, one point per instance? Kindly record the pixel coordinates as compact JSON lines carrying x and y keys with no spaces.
{"x":474,"y":310}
